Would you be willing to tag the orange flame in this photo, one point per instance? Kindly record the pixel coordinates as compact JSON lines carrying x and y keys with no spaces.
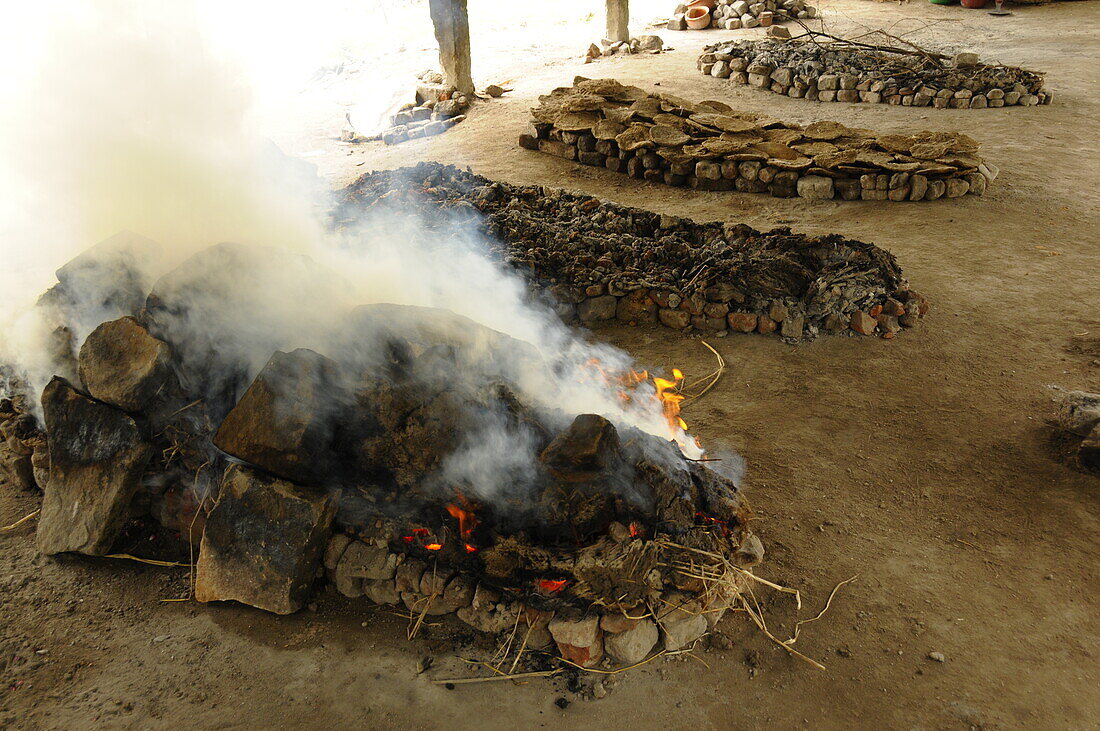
{"x":433,"y":546}
{"x":467,"y":521}
{"x":667,"y":396}
{"x":635,"y":531}
{"x":551,"y":585}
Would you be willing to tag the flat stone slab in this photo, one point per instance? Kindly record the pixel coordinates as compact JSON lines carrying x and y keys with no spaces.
{"x":97,"y":457}
{"x":263,"y":541}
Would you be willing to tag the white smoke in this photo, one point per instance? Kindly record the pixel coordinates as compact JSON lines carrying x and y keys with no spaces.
{"x":130,"y":121}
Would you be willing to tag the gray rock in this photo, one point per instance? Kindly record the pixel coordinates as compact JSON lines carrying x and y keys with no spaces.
{"x":650,"y":43}
{"x":284,"y":421}
{"x":97,"y":457}
{"x":632,"y":645}
{"x":263,"y":541}
{"x":793,"y":326}
{"x":977,"y":183}
{"x":965,"y":59}
{"x":367,"y":561}
{"x":1079,"y":412}
{"x":335,"y":550}
{"x":815,"y":187}
{"x":123,"y":365}
{"x":783,"y":76}
{"x":677,"y":22}
{"x":597,"y":309}
{"x":681,"y":633}
{"x":957,"y":187}
{"x":936,"y":189}
{"x":918,"y":186}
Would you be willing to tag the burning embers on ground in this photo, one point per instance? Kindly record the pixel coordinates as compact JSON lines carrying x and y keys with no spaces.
{"x":422,"y":460}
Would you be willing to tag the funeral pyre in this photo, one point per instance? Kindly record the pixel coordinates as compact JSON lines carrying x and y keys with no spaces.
{"x":421,"y":460}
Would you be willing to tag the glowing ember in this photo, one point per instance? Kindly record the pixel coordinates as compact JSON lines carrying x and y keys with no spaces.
{"x":708,"y":520}
{"x":635,"y":531}
{"x":550,"y":585}
{"x":433,"y":546}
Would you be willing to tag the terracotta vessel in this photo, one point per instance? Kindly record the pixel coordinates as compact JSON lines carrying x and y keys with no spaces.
{"x":698,"y":17}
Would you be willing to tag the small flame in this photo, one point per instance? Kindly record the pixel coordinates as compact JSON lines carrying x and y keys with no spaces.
{"x":433,"y":546}
{"x":667,"y":396}
{"x":467,"y":521}
{"x":551,"y":585}
{"x":706,"y":519}
{"x":635,"y":531}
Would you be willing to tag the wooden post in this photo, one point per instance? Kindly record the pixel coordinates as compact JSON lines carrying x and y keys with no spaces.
{"x":618,"y":20}
{"x":452,"y":30}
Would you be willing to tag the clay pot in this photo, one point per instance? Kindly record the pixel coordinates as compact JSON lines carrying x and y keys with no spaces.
{"x":708,"y":4}
{"x":698,"y":17}
{"x":973,"y":3}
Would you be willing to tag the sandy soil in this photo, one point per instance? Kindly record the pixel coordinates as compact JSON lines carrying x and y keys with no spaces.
{"x":924,"y":465}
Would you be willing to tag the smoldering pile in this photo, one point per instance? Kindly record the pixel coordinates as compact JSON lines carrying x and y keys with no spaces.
{"x":410,"y":462}
{"x":606,"y":262}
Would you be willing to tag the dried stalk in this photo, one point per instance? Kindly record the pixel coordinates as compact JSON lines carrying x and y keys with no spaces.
{"x":20,"y":522}
{"x":150,"y":561}
{"x":820,"y":614}
{"x":714,"y":376}
{"x":494,"y":678}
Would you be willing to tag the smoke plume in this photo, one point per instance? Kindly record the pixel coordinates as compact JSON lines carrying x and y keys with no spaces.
{"x":130,"y":121}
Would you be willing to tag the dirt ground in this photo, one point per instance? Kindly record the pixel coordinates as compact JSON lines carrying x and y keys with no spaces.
{"x":924,"y":466}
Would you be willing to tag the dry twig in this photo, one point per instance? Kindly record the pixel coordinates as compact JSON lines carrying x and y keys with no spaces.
{"x":20,"y":522}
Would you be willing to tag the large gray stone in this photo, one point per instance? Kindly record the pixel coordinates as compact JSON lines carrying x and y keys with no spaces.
{"x":634,"y":644}
{"x":284,"y":421}
{"x":97,"y":456}
{"x":1079,"y":412}
{"x":123,"y":365}
{"x":815,"y":187}
{"x":681,"y":633}
{"x":263,"y":541}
